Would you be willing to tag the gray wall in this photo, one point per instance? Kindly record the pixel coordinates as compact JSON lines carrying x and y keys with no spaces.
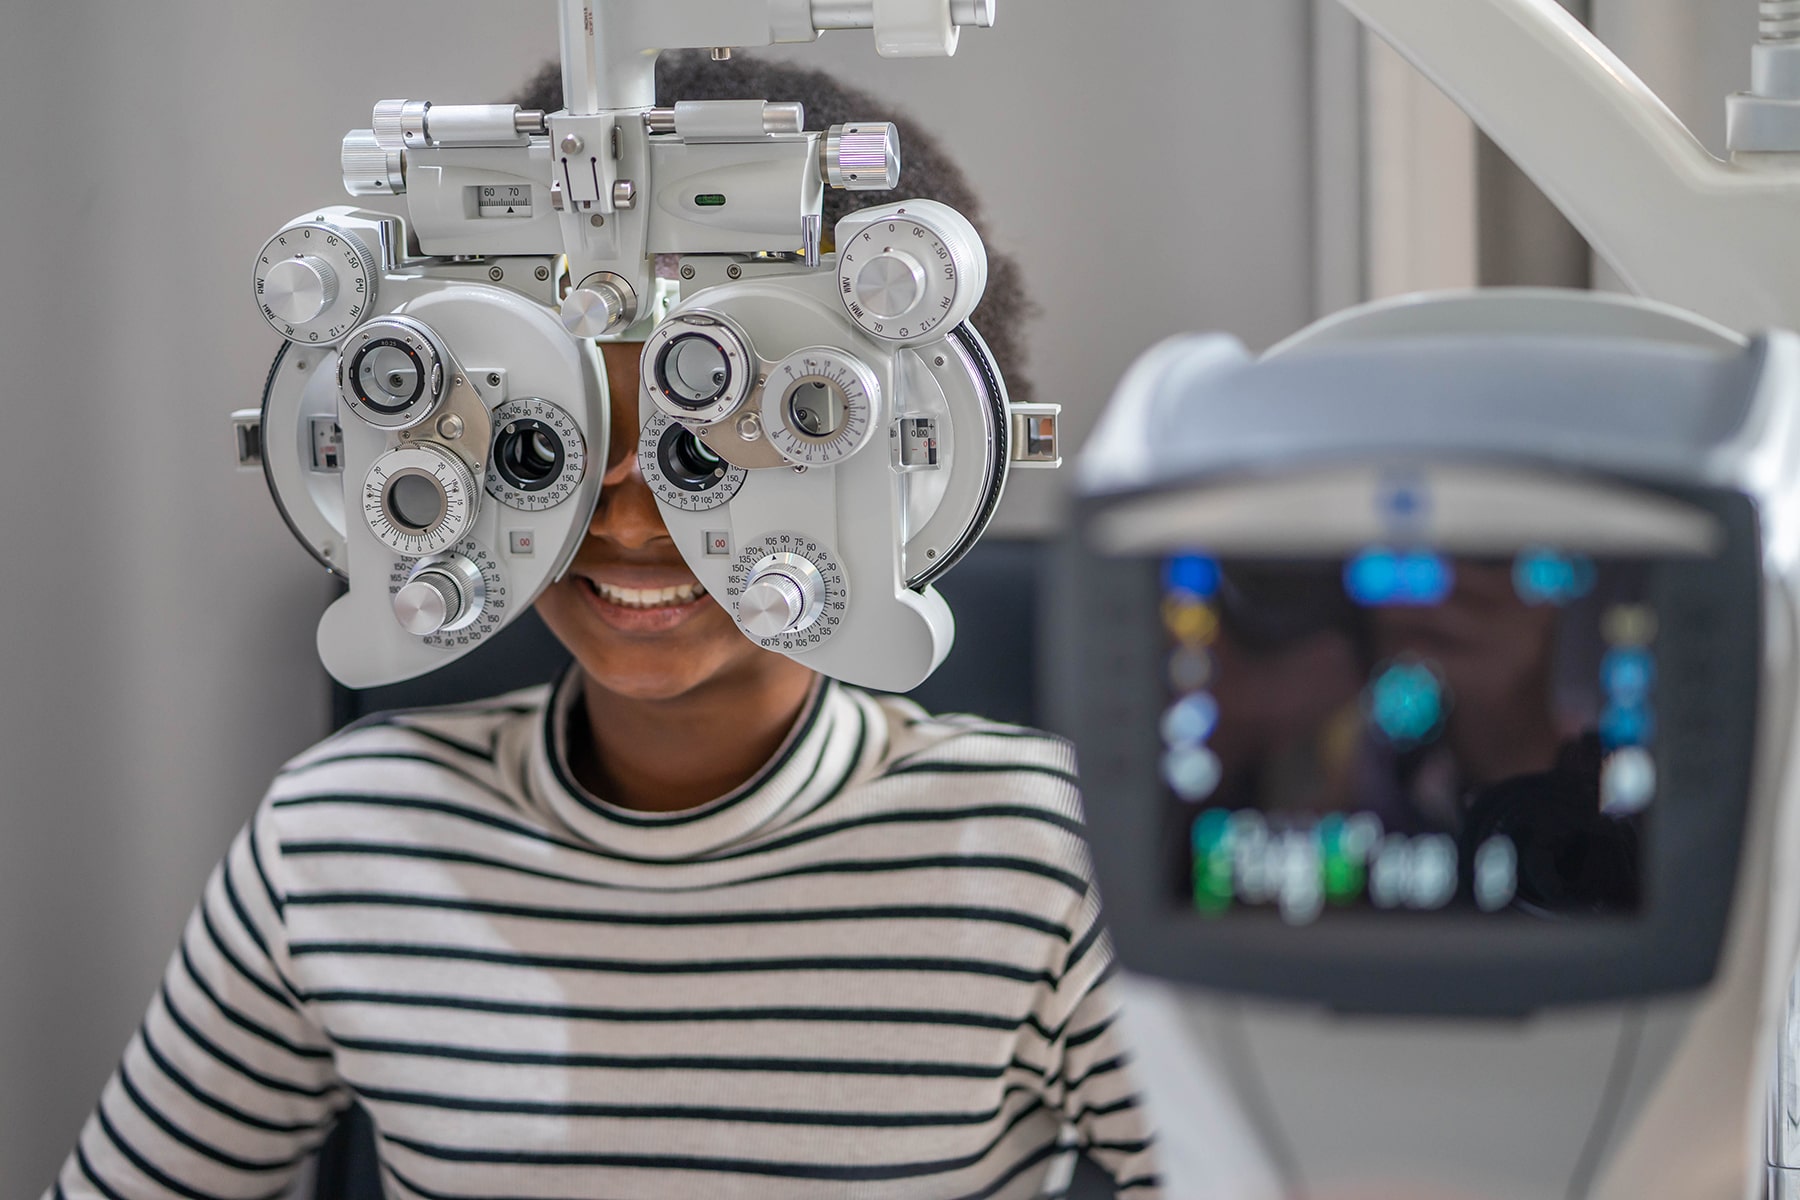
{"x":1154,"y":174}
{"x":157,"y":663}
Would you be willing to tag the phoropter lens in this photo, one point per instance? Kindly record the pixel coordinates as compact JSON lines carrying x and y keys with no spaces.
{"x":693,"y":370}
{"x":528,"y":455}
{"x":687,"y":462}
{"x":816,"y":408}
{"x":389,"y":376}
{"x":415,"y":502}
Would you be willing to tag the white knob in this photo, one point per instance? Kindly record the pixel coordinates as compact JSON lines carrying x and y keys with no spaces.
{"x":864,"y":157}
{"x":890,"y":284}
{"x":594,"y":310}
{"x":443,"y":594}
{"x":427,"y":603}
{"x":298,"y":289}
{"x":771,"y":605}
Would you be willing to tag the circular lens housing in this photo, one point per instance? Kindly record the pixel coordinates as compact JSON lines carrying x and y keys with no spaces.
{"x":682,"y":471}
{"x":392,"y":372}
{"x":538,"y":457}
{"x":389,"y":375}
{"x":414,"y":501}
{"x":820,"y":406}
{"x":817,"y":407}
{"x":528,"y":454}
{"x":687,"y":462}
{"x":419,"y":499}
{"x":692,"y":371}
{"x":698,"y":368}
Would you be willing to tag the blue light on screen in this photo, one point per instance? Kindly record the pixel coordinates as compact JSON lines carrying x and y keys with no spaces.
{"x":1195,"y":574}
{"x":1546,"y":576}
{"x":1380,"y":576}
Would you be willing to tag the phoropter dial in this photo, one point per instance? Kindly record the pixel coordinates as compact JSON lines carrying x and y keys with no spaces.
{"x":820,"y":406}
{"x":391,"y":373}
{"x":539,"y":456}
{"x":681,"y":469}
{"x":698,"y":367}
{"x":314,"y":282}
{"x":419,"y":499}
{"x":444,"y":593}
{"x":909,"y":273}
{"x":787,"y":592}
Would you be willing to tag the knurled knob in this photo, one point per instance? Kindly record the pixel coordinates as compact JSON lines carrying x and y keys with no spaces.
{"x":772,"y":604}
{"x":427,"y":602}
{"x":862,"y":157}
{"x":370,"y":167}
{"x":298,"y":289}
{"x":599,"y":306}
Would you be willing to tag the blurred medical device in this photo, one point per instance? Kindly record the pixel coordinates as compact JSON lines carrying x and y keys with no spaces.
{"x":825,"y":433}
{"x":1435,"y":678}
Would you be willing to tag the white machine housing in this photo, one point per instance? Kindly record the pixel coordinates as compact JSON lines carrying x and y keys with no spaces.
{"x":1263,"y":1094}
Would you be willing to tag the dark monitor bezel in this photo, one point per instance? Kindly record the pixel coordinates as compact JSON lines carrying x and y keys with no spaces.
{"x":1709,"y":651}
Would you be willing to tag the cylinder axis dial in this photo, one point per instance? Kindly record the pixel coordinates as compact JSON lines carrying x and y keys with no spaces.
{"x":787,"y":592}
{"x":419,"y":499}
{"x":820,"y":406}
{"x":911,"y":272}
{"x":539,"y":456}
{"x":444,"y":593}
{"x":314,"y":282}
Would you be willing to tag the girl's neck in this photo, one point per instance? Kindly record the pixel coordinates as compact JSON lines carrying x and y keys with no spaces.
{"x":682,"y":752}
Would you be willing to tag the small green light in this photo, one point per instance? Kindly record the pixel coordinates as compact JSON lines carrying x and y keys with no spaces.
{"x":710,"y":200}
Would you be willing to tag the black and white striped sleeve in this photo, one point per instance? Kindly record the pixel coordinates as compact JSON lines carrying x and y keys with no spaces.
{"x":228,"y":1084}
{"x":1091,"y":1074}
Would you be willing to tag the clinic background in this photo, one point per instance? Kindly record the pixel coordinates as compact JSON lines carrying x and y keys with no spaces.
{"x":1157,"y":167}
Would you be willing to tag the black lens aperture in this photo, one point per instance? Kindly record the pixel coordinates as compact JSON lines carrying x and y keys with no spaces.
{"x":528,"y":454}
{"x":687,"y":462}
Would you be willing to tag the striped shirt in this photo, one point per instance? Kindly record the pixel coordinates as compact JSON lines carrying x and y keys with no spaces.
{"x":875,"y":970}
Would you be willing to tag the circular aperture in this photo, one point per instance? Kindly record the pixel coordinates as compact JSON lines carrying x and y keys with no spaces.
{"x":388,"y":375}
{"x":816,"y":407}
{"x":687,"y":462}
{"x":528,"y":454}
{"x":414,"y":501}
{"x":692,"y":370}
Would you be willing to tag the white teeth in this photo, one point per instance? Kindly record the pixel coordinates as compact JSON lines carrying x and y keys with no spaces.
{"x":649,"y":597}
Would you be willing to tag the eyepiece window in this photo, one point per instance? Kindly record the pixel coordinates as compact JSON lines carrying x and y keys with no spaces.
{"x":528,"y":454}
{"x":692,"y":370}
{"x":687,"y":462}
{"x":389,"y":375}
{"x":415,"y":501}
{"x":816,"y":408}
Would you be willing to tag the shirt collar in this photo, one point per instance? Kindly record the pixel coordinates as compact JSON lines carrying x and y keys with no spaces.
{"x":828,"y":744}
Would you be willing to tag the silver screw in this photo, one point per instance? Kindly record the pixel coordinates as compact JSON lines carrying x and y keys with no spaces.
{"x":542,"y":274}
{"x":493,"y":379}
{"x":931,"y":554}
{"x":938,"y":361}
{"x":496,"y":274}
{"x":596,"y":220}
{"x":687,"y":271}
{"x":721,"y":53}
{"x":734,"y":272}
{"x":571,"y":143}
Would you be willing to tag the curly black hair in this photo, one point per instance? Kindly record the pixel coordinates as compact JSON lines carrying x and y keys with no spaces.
{"x":929,"y":172}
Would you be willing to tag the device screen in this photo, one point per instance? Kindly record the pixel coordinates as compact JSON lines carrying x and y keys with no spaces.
{"x":1403,"y":731}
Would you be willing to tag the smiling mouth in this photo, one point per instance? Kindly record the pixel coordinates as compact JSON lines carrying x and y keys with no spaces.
{"x":625,"y":597}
